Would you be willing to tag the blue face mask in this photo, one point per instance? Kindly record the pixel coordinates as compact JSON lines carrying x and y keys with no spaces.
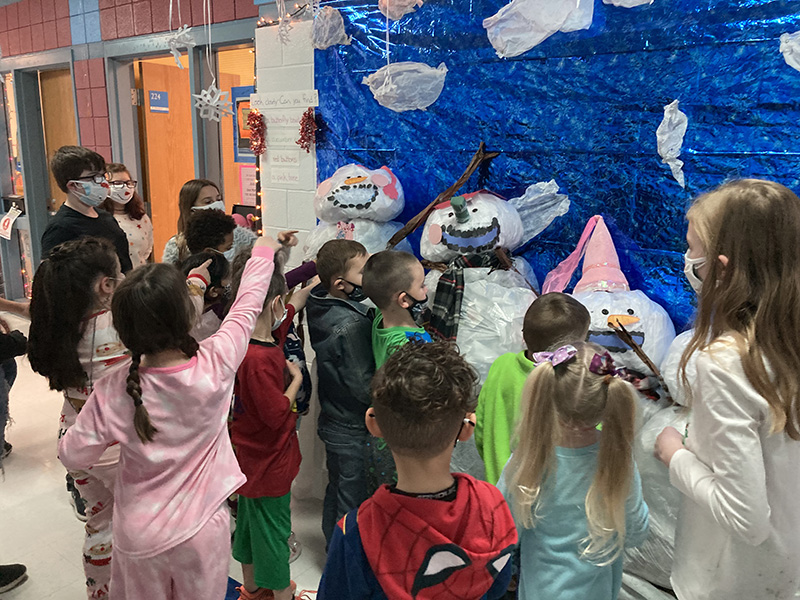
{"x":417,"y":308}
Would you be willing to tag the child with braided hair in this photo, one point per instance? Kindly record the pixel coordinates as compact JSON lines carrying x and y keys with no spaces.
{"x":177,"y":467}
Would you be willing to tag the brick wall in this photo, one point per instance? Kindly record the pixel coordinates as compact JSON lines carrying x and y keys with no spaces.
{"x":90,"y":90}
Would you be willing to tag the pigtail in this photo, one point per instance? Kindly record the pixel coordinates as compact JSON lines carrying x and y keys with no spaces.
{"x":189,"y":346}
{"x":141,"y":418}
{"x":608,"y":494}
{"x":533,"y":460}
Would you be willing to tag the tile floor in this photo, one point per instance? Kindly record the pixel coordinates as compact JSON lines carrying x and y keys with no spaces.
{"x":38,"y":528}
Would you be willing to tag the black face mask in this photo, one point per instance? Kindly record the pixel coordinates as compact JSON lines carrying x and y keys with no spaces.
{"x":357,"y":294}
{"x":417,"y":308}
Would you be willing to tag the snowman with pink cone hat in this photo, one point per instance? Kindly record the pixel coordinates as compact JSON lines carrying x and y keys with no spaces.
{"x":605,"y":292}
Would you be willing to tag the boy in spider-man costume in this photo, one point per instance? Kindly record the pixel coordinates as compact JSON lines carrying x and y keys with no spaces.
{"x":434,"y":534}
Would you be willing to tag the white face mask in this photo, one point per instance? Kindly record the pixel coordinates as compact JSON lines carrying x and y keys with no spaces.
{"x":219,"y":205}
{"x":690,"y":266}
{"x":121,"y":195}
{"x":279,"y":321}
{"x":91,"y":193}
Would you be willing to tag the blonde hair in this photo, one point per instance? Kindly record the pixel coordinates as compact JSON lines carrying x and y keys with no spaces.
{"x":756,"y":296}
{"x":569,"y":393}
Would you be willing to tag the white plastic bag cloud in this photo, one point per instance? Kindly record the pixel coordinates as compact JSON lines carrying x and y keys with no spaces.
{"x":580,"y":18}
{"x":790,"y":48}
{"x":397,"y":9}
{"x":406,"y":85}
{"x":669,"y":136}
{"x":627,"y":3}
{"x":523,"y":24}
{"x":329,"y":29}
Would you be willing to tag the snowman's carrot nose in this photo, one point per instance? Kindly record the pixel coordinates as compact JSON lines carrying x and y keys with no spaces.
{"x":624,"y":320}
{"x":354,"y":180}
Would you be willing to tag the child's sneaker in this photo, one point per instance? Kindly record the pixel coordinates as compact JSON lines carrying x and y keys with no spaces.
{"x":295,"y":548}
{"x":261,"y":594}
{"x":11,"y":576}
{"x":78,"y":505}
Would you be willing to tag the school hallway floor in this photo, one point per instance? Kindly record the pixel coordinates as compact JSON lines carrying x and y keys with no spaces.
{"x":37,"y":525}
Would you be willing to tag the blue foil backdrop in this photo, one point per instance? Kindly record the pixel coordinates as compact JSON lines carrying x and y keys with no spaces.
{"x":581,"y":108}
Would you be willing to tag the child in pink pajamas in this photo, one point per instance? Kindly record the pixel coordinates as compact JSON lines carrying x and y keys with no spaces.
{"x":168,"y":412}
{"x":73,"y":343}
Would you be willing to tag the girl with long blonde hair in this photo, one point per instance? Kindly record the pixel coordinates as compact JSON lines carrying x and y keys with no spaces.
{"x":571,"y":481}
{"x":738,"y":534}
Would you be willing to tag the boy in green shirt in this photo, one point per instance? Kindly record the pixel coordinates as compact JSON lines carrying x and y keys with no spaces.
{"x":551,"y":321}
{"x":395,"y":282}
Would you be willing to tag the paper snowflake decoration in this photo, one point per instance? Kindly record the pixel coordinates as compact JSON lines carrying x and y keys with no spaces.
{"x":181,"y":39}
{"x":213,"y":103}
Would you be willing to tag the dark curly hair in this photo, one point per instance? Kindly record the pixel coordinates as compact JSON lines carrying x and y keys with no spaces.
{"x":219,"y":268}
{"x":421,"y":396}
{"x":207,"y":229}
{"x":61,"y":299}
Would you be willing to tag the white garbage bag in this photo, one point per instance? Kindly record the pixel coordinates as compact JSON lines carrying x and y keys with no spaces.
{"x":397,"y":9}
{"x":523,"y":24}
{"x":491,"y":320}
{"x":581,"y":17}
{"x":627,"y":3}
{"x":406,"y":85}
{"x":790,"y":48}
{"x":329,"y":29}
{"x":372,"y":234}
{"x":669,"y":137}
{"x":652,"y":561}
{"x":539,"y":206}
{"x":670,"y":368}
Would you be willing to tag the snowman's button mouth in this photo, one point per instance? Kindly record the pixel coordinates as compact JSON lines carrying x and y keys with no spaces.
{"x":610,"y":341}
{"x":362,"y":195}
{"x":477,"y":239}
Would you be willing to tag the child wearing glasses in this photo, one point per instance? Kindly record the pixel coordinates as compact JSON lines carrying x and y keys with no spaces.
{"x":80,"y":173}
{"x":127,"y":206}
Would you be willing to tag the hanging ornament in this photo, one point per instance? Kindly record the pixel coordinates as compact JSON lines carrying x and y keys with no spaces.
{"x":181,"y":39}
{"x":213,"y":103}
{"x":308,"y":130}
{"x":258,"y":132}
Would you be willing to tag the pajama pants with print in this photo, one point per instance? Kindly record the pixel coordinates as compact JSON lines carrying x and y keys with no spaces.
{"x":96,"y":487}
{"x":196,"y":569}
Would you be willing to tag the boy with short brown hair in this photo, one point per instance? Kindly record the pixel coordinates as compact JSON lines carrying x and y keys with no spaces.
{"x":340,"y":327}
{"x":434,"y":534}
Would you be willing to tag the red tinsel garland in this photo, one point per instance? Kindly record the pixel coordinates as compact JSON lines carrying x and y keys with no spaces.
{"x":308,"y":130}
{"x":258,"y":132}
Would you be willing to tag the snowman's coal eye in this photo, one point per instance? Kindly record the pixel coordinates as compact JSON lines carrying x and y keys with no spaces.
{"x":605,"y":311}
{"x":630,"y":311}
{"x":450,"y":215}
{"x":474,"y":210}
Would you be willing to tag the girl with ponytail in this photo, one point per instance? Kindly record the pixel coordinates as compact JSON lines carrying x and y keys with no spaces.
{"x":168,"y":411}
{"x":571,"y":481}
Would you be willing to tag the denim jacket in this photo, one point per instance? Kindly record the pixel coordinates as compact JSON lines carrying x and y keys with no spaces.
{"x":341,"y":335}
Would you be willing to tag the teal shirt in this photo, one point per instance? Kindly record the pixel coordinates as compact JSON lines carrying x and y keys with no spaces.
{"x":551,"y":567}
{"x":385,"y":340}
{"x":498,"y":411}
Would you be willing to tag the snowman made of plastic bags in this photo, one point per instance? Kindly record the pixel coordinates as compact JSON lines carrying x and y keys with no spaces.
{"x":605,"y":292}
{"x":487,"y":322}
{"x":357,"y":203}
{"x":494,"y":300}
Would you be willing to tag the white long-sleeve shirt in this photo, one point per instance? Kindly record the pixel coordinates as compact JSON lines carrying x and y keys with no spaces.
{"x":738,"y":534}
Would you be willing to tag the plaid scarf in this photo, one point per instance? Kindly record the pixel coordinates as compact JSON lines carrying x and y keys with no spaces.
{"x":446,"y":309}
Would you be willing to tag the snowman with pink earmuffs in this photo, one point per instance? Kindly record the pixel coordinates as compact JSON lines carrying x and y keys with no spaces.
{"x":357,"y":203}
